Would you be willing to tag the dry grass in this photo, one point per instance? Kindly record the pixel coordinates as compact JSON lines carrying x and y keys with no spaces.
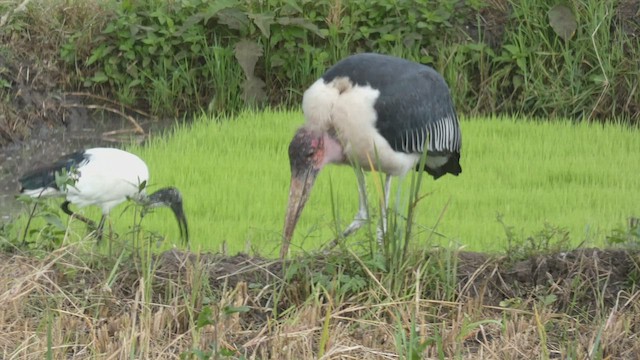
{"x":75,"y":305}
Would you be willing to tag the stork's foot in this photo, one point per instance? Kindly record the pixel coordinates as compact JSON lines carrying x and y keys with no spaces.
{"x":356,"y":224}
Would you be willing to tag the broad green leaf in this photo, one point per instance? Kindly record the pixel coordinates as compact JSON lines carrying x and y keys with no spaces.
{"x":562,"y":21}
{"x":263,"y":21}
{"x":522,"y":63}
{"x":228,"y":310}
{"x":549,"y":299}
{"x":300,"y":22}
{"x":517,"y":81}
{"x":512,"y":49}
{"x":205,"y":318}
{"x":218,"y":5}
{"x":99,"y":77}
{"x":598,"y":79}
{"x":99,"y":53}
{"x":247,"y":53}
{"x":388,"y":37}
{"x":234,"y":19}
{"x":294,"y":5}
{"x":55,"y":221}
{"x":190,"y":23}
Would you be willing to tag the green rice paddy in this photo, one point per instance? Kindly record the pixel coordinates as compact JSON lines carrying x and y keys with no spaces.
{"x":234,"y":176}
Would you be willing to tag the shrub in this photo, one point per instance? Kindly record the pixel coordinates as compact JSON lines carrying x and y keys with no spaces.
{"x":534,"y":58}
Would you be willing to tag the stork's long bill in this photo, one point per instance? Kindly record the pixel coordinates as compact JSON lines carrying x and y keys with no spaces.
{"x":299,"y":191}
{"x":309,"y":151}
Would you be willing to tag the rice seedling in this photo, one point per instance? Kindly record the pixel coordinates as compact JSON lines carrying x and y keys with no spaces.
{"x":235,"y":176}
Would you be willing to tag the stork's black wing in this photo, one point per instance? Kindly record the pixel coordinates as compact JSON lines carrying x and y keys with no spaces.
{"x":45,"y":176}
{"x":414,"y":107}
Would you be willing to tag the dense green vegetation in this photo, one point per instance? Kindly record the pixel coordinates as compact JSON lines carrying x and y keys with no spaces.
{"x":528,"y":57}
{"x":574,"y":176}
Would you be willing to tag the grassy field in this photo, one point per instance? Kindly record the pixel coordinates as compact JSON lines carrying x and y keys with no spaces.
{"x":235,"y":178}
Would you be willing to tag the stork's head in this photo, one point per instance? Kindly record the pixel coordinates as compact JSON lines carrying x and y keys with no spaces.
{"x":170,"y":197}
{"x":309,"y":151}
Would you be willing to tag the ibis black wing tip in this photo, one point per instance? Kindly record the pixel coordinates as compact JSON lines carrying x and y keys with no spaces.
{"x":45,"y":176}
{"x":36,"y":179}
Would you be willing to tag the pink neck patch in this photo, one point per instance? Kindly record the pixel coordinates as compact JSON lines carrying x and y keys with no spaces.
{"x":333,"y":152}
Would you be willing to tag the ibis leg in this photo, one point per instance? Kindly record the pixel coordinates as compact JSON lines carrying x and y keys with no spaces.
{"x":100,"y":228}
{"x":65,"y":208}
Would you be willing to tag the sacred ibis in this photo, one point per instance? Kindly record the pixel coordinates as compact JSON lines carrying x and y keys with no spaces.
{"x":372,"y":110}
{"x":104,"y":177}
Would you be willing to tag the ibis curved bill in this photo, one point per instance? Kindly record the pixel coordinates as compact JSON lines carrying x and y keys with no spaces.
{"x":372,"y":110}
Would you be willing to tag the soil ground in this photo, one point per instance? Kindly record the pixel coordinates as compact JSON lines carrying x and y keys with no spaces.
{"x":490,"y":279}
{"x":493,"y":286}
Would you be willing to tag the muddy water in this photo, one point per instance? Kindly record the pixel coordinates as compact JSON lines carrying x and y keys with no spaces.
{"x":47,"y":144}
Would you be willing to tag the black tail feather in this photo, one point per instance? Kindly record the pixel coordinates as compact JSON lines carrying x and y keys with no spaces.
{"x":452,"y":166}
{"x":45,"y":176}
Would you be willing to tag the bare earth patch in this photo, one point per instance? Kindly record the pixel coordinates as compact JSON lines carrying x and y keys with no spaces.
{"x":580,"y":304}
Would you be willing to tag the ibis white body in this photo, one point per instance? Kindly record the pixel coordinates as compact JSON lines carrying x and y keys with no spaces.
{"x":104,"y":177}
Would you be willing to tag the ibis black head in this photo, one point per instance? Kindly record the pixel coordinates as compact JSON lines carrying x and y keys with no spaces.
{"x":170,"y":197}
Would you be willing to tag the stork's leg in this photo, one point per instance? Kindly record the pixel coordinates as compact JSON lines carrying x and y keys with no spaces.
{"x":363,"y":212}
{"x":385,"y":206}
{"x":65,"y":208}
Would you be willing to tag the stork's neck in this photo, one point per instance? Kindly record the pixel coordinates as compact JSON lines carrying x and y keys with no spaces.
{"x":333,"y":151}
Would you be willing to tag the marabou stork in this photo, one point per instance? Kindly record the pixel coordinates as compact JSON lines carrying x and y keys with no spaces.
{"x":104,"y":177}
{"x":371,"y":109}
